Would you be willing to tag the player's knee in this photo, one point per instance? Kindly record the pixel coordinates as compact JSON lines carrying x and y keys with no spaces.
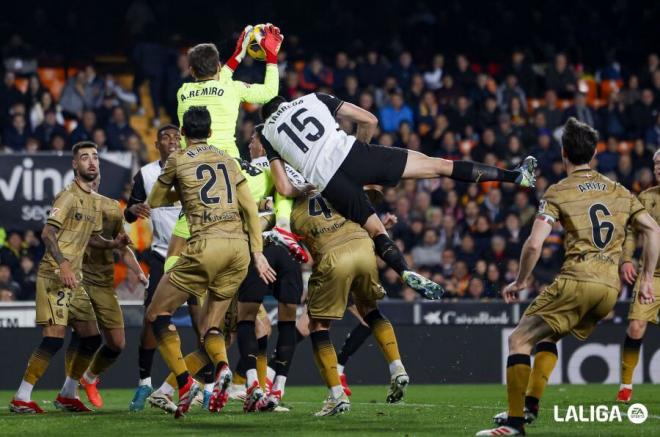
{"x":516,"y":341}
{"x":90,"y":344}
{"x":117,"y":342}
{"x":51,"y":344}
{"x":637,"y":329}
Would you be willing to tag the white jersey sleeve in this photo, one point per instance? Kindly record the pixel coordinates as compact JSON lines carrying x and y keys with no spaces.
{"x":305,"y":134}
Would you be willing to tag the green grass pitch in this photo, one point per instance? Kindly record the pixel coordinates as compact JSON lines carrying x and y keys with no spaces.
{"x":438,"y":410}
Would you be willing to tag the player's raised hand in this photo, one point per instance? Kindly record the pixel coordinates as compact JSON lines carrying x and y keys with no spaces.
{"x":67,"y":276}
{"x":510,"y":292}
{"x":266,"y":272}
{"x":141,"y":210}
{"x":270,"y":41}
{"x":646,"y":291}
{"x":628,"y":273}
{"x":241,"y":48}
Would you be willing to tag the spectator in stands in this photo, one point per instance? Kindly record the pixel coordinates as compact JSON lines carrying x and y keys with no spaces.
{"x":404,"y":70}
{"x":7,"y":282}
{"x":73,"y":96}
{"x":642,"y":114}
{"x":372,"y":71}
{"x":396,"y":112}
{"x":58,"y":143}
{"x":101,"y":139}
{"x":449,"y":92}
{"x":45,"y":103}
{"x":343,"y":69}
{"x":104,"y":112}
{"x":546,"y":151}
{"x":508,"y":90}
{"x":608,"y":159}
{"x":315,"y":75}
{"x":493,"y":206}
{"x":118,"y":130}
{"x":475,"y":289}
{"x":9,"y":95}
{"x":459,"y":281}
{"x":433,"y":77}
{"x":467,"y":253}
{"x":581,"y":111}
{"x":15,"y":136}
{"x":32,"y":145}
{"x":522,"y":70}
{"x":28,"y":279}
{"x":653,"y":133}
{"x":93,"y":88}
{"x":85,"y":129}
{"x":489,"y":116}
{"x":550,"y":110}
{"x":428,"y":253}
{"x":49,"y":128}
{"x":349,"y":92}
{"x":522,"y":208}
{"x":611,"y":117}
{"x":34,"y":91}
{"x":138,"y":149}
{"x":487,"y":145}
{"x":561,"y":78}
{"x":464,"y":76}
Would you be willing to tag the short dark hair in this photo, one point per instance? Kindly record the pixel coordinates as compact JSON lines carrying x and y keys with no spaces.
{"x":271,"y":106}
{"x":578,"y":141}
{"x":83,"y":145}
{"x":197,"y":123}
{"x":162,"y":129}
{"x":204,"y":59}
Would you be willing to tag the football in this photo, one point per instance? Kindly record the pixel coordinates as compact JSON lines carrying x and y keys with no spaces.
{"x":254,"y":50}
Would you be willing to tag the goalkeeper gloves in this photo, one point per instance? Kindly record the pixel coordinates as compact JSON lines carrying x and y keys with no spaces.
{"x":241,"y":49}
{"x":270,"y":41}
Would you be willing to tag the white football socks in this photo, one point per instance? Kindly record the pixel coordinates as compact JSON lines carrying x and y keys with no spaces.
{"x":394,"y":366}
{"x":337,"y":391}
{"x":24,"y":392}
{"x":279,"y":383}
{"x":340,"y":369}
{"x":70,"y":388}
{"x":251,"y":376}
{"x":145,"y":381}
{"x":167,"y":389}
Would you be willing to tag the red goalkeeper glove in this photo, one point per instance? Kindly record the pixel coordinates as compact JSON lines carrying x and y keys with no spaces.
{"x":241,"y":49}
{"x":270,"y":41}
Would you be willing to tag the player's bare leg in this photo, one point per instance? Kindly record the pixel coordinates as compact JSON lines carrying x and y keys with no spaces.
{"x":214,"y":343}
{"x":325,"y":358}
{"x":383,"y":332}
{"x":530,"y":330}
{"x":630,"y":357}
{"x":166,"y":300}
{"x":52,"y":341}
{"x":420,"y":166}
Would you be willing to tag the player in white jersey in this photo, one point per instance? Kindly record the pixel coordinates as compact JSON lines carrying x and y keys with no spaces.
{"x":305,"y":134}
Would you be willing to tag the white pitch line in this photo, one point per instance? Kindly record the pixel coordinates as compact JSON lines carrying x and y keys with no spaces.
{"x":414,"y":405}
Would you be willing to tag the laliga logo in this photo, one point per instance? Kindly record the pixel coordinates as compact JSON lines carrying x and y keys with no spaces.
{"x":637,"y":413}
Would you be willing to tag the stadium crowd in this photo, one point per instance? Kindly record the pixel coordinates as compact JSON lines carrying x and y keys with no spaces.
{"x":466,"y":237}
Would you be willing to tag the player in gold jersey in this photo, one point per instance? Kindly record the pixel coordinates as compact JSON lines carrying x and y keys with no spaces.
{"x":639,"y":315}
{"x":344,"y":262}
{"x":99,"y":306}
{"x":214,"y":196}
{"x":594,"y":212}
{"x":74,"y":221}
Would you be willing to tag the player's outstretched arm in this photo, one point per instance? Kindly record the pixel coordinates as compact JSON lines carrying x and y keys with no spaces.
{"x":529,"y":256}
{"x":645,"y":224}
{"x":132,"y":263}
{"x":270,"y":41}
{"x":365,"y":120}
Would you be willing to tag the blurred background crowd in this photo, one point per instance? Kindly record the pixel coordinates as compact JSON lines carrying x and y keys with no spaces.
{"x":439,"y":82}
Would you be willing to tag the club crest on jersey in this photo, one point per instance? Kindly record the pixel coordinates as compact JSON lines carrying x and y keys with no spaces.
{"x":53,"y":212}
{"x":592,"y":186}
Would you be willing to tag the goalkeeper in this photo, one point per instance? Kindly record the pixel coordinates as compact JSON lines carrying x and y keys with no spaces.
{"x":215,"y":89}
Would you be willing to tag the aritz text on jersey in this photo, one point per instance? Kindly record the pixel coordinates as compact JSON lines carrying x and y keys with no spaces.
{"x":282,"y":108}
{"x":206,"y":91}
{"x":592,"y":186}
